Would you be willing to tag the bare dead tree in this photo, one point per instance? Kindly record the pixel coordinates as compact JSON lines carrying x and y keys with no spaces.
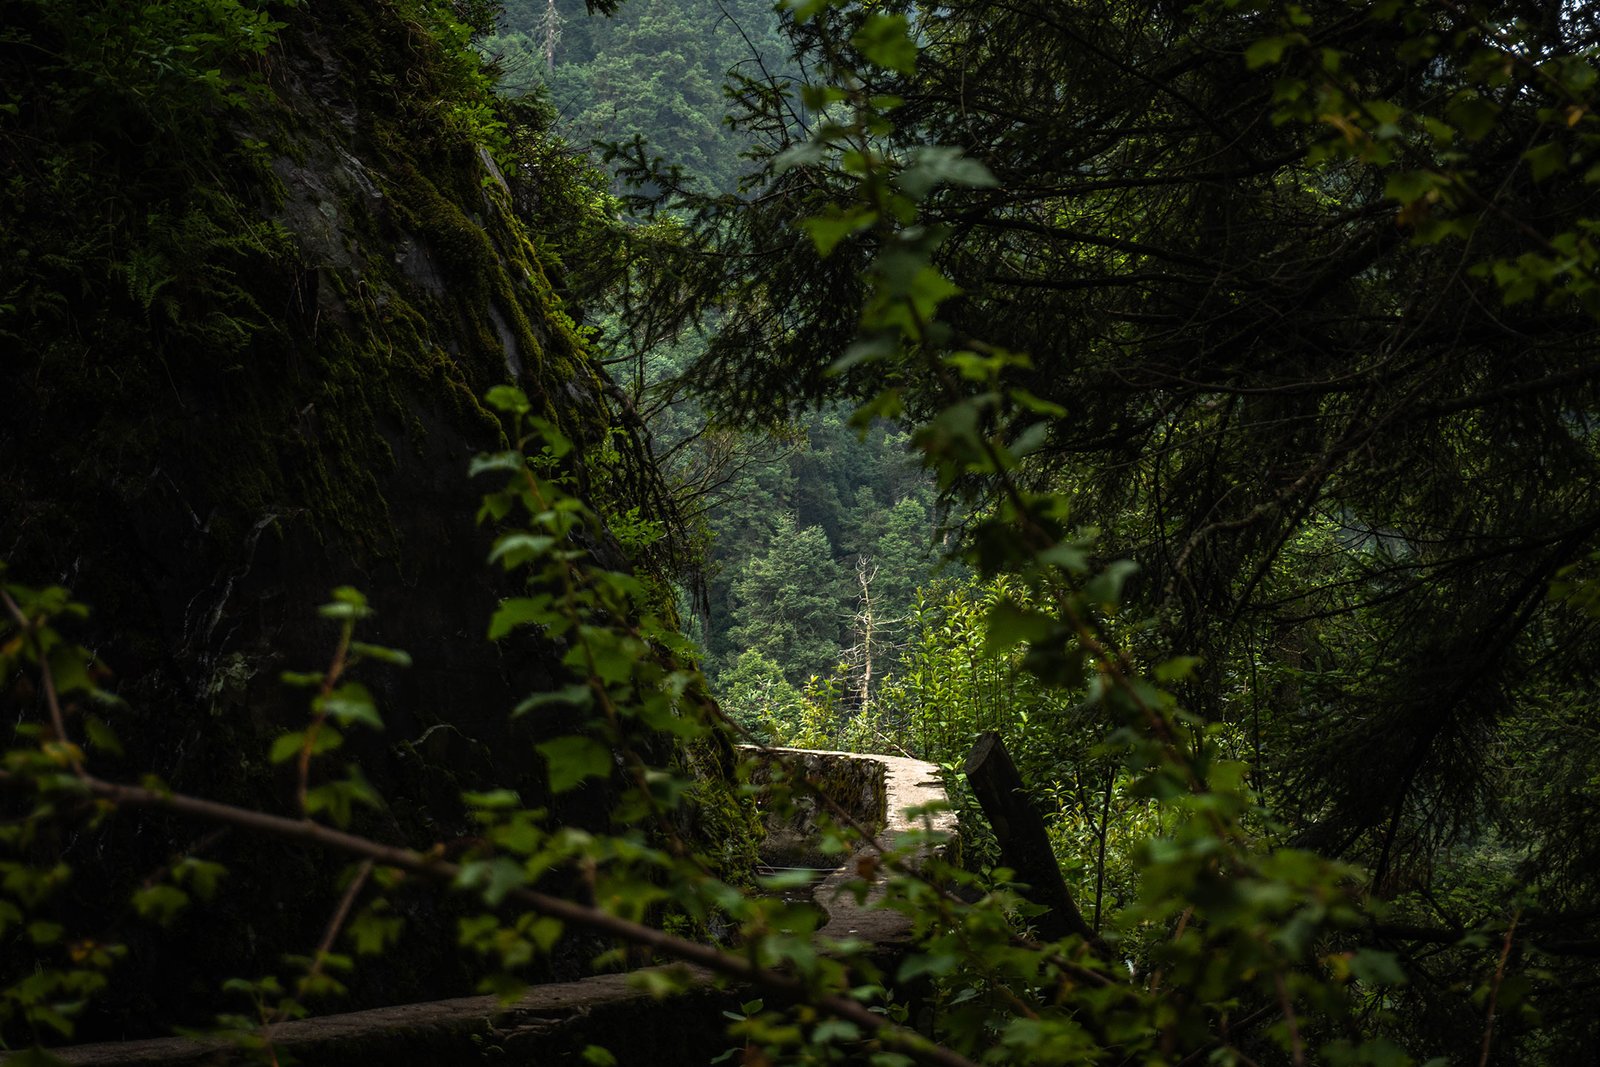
{"x":550,"y":26}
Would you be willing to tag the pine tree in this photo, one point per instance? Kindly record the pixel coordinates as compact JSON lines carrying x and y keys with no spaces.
{"x":786,"y":602}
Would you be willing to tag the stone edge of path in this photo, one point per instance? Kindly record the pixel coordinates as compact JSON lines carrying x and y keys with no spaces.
{"x":909,"y":784}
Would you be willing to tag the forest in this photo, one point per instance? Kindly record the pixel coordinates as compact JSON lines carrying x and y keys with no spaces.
{"x":444,"y":439}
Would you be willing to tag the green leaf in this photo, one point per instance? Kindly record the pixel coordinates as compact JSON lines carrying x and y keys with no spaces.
{"x":1270,"y":50}
{"x":867,"y":350}
{"x":69,"y":669}
{"x":1377,"y":968}
{"x":1030,"y":440}
{"x":1068,"y":557}
{"x":545,"y":932}
{"x":1177,"y":669}
{"x":512,"y":550}
{"x":784,"y":880}
{"x":347,"y":603}
{"x":493,"y":878}
{"x":1410,"y":185}
{"x":372,"y":932}
{"x":806,"y":10}
{"x":288,"y":746}
{"x":349,"y":703}
{"x":555,"y":442}
{"x":392,"y":656}
{"x":1009,"y":624}
{"x":943,"y":165}
{"x":573,"y":759}
{"x":1545,"y":160}
{"x":521,"y":611}
{"x":496,"y":506}
{"x":888,"y":404}
{"x":659,"y":711}
{"x":1037,"y":405}
{"x":935,"y":963}
{"x":496,"y":461}
{"x":885,"y":40}
{"x":160,"y":903}
{"x":495,"y":800}
{"x":613,"y":656}
{"x":929,"y":289}
{"x":818,"y":97}
{"x":798,"y":155}
{"x":577,"y":696}
{"x":829,"y":229}
{"x":200,"y":875}
{"x":1105,"y":588}
{"x":661,"y":982}
{"x":509,"y":399}
{"x":102,"y":736}
{"x":830,"y":1030}
{"x":339,"y":798}
{"x":505,"y":988}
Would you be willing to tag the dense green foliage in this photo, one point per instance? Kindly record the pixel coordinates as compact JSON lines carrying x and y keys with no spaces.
{"x":1247,"y":350}
{"x":1305,"y":297}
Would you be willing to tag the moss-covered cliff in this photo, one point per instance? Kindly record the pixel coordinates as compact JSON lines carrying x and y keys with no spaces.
{"x":258,"y":263}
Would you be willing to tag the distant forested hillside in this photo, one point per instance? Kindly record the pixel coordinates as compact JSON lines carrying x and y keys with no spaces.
{"x":656,"y":68}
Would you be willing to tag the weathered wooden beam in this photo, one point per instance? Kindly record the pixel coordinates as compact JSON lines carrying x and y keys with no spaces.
{"x":1024,"y":845}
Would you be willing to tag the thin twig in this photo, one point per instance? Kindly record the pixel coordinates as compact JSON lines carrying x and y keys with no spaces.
{"x":1177,"y":935}
{"x":308,"y":745}
{"x":1297,"y":1048}
{"x":1494,"y":989}
{"x":340,"y":916}
{"x":58,"y":724}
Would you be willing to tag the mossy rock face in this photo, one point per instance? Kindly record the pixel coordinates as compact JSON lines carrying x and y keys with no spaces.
{"x":291,"y":409}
